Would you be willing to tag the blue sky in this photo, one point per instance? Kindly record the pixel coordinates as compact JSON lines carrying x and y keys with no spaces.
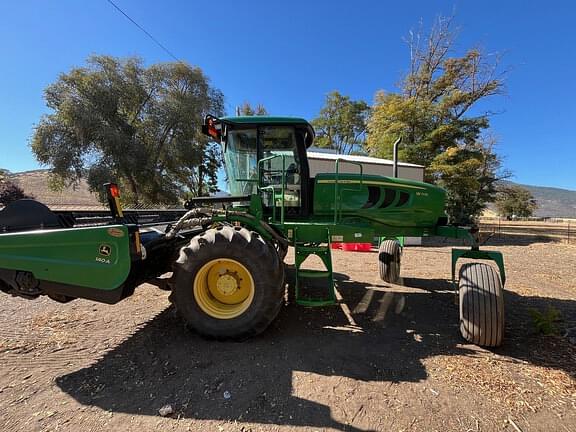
{"x":289,"y":55}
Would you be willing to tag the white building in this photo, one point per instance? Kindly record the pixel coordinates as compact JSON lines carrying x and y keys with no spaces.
{"x":324,"y":162}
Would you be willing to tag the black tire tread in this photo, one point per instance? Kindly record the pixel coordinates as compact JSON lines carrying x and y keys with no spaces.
{"x":261,"y":259}
{"x":481,"y":304}
{"x":389,"y":257}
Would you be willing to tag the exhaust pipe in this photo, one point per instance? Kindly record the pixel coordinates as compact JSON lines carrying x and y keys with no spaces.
{"x":396,"y":143}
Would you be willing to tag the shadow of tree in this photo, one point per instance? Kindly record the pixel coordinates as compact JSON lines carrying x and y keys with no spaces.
{"x":163,"y":363}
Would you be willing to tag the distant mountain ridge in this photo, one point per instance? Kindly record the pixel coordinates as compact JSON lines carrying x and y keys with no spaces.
{"x":552,"y":202}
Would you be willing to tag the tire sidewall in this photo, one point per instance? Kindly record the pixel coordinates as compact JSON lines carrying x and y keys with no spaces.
{"x":259,"y":258}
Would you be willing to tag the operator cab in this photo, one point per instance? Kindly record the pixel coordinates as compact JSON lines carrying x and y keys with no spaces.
{"x":266,"y":154}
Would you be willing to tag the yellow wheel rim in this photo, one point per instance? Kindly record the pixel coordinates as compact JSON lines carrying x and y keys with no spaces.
{"x":223,"y":288}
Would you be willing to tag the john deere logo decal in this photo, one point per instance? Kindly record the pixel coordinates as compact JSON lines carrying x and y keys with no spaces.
{"x":105,"y":250}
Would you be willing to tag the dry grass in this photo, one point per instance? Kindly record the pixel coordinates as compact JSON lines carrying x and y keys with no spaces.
{"x":562,"y":230}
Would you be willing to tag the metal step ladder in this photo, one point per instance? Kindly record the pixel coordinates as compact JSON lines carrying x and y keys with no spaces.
{"x":321,"y":250}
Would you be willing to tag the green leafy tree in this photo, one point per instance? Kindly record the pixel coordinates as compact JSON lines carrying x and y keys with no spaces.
{"x":9,"y":191}
{"x":433,"y":113}
{"x":468,"y":173}
{"x":117,"y":120}
{"x":341,"y":124}
{"x":4,"y":174}
{"x":515,"y":201}
{"x":247,"y":110}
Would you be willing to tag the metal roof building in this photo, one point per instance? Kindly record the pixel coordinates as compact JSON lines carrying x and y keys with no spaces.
{"x":322,"y":162}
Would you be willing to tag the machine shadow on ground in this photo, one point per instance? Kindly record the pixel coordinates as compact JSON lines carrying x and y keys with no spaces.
{"x":254,"y":381}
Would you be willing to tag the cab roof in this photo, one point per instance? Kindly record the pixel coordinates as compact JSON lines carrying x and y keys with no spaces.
{"x":272,"y":121}
{"x":266,"y":120}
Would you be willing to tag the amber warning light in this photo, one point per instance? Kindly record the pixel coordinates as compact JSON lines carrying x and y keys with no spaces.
{"x":114,"y":190}
{"x":113,"y":194}
{"x":212,"y":131}
{"x":212,"y":128}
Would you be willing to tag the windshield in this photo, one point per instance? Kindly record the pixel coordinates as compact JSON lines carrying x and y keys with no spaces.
{"x":240,"y":160}
{"x":278,"y":146}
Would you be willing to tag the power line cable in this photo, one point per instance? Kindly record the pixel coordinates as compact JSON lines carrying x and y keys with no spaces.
{"x":156,"y":41}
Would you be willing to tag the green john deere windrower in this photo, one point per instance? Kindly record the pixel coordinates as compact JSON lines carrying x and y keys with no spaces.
{"x":226,"y":253}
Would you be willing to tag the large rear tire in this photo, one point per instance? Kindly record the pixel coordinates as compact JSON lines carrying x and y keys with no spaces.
{"x":228,"y":283}
{"x":481,"y":299}
{"x":389,"y":256}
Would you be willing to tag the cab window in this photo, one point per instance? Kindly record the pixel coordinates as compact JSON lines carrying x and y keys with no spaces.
{"x":279,"y":144}
{"x":241,"y":162}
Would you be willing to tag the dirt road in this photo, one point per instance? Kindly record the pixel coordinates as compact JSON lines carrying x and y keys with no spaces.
{"x":387,"y":358}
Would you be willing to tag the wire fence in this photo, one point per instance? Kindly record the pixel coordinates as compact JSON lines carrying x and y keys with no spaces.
{"x":82,"y":207}
{"x":561,"y":230}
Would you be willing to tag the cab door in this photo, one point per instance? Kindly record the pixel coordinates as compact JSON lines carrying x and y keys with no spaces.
{"x":283,"y":160}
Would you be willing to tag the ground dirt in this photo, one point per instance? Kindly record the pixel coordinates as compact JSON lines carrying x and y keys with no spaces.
{"x":387,"y":358}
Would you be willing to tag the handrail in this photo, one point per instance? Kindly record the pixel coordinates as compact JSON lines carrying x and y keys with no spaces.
{"x":337,"y":202}
{"x":271,"y":187}
{"x":261,"y":187}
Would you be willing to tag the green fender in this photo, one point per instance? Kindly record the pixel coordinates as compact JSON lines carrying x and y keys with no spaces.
{"x":478,"y":254}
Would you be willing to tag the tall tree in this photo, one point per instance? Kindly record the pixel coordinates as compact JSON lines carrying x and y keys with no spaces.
{"x":117,"y":120}
{"x":341,"y":124}
{"x":515,"y":201}
{"x":247,"y":110}
{"x":9,"y":190}
{"x":433,"y":113}
{"x":468,"y":172}
{"x":4,"y":174}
